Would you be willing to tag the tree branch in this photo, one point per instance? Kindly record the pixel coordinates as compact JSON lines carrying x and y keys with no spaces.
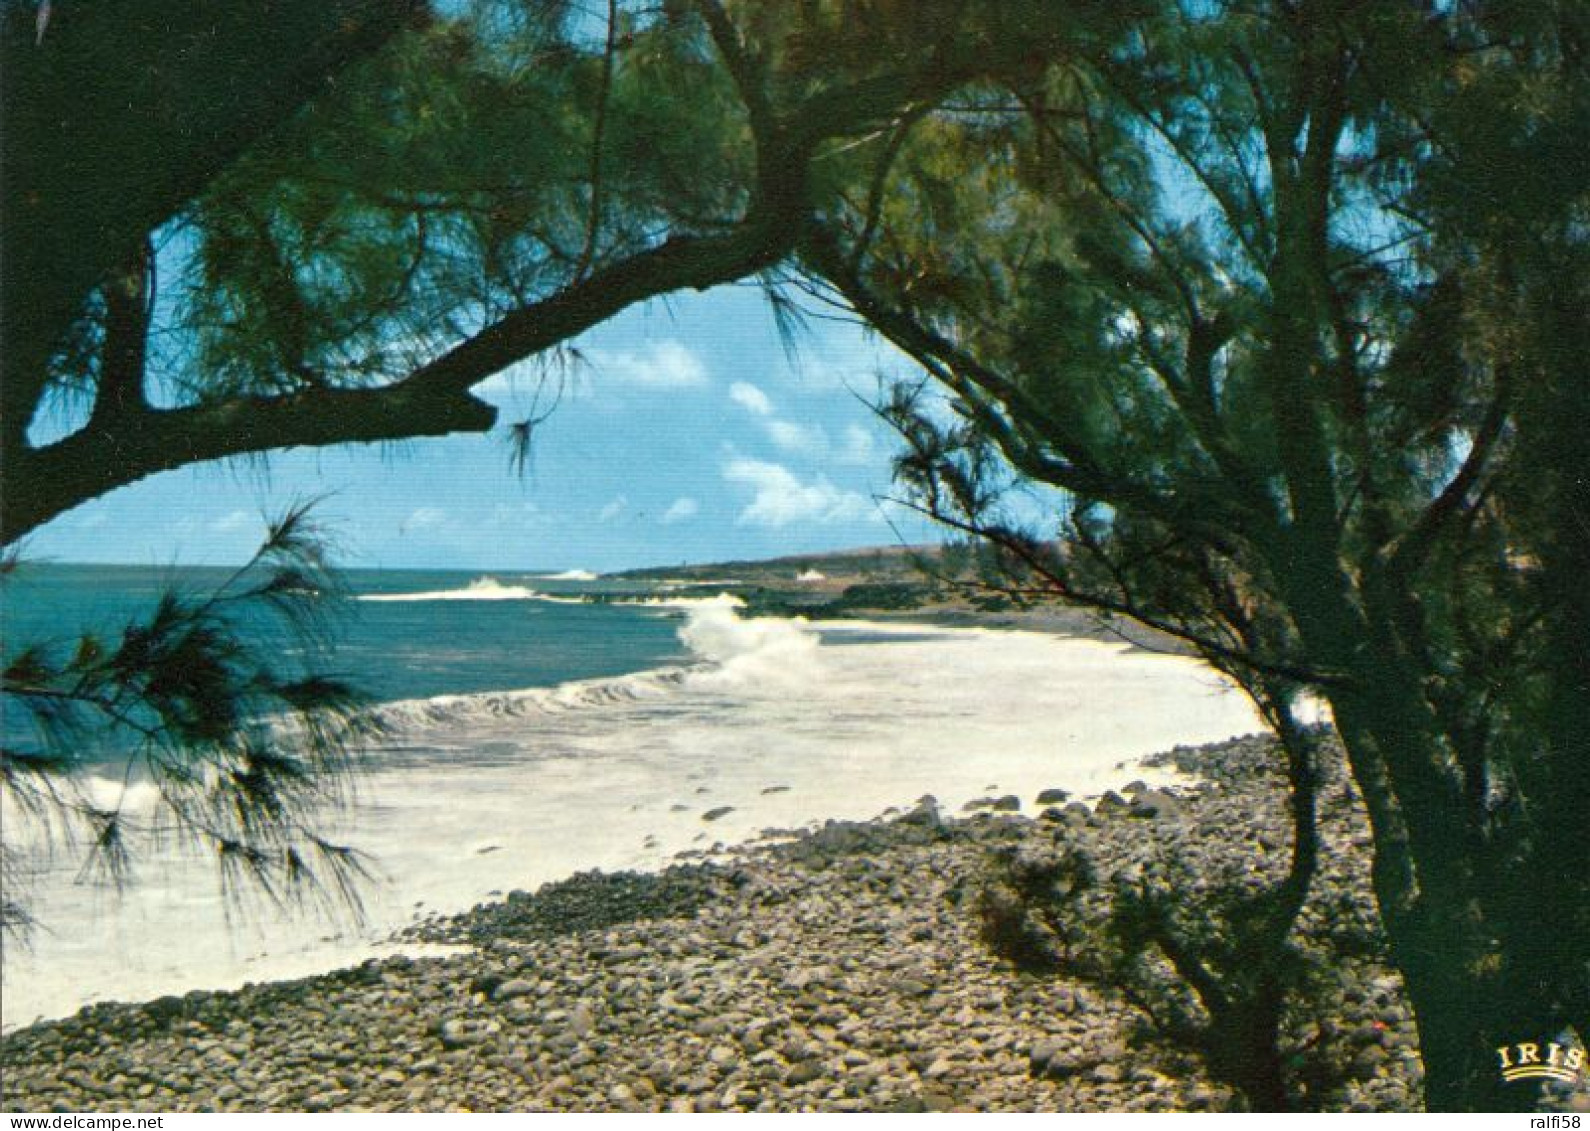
{"x":119,"y":117}
{"x":38,"y":484}
{"x":1408,"y":552}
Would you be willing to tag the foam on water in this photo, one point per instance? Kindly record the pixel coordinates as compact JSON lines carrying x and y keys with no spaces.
{"x":686,"y":604}
{"x":481,"y":589}
{"x":751,"y":655}
{"x":406,"y":715}
{"x":480,"y":794}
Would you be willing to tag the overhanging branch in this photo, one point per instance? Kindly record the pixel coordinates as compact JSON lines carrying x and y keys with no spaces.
{"x":433,"y":401}
{"x":123,"y":113}
{"x":122,"y":447}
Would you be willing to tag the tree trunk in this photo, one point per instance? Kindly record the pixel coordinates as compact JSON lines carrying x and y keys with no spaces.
{"x":1245,"y":1049}
{"x":1452,"y":960}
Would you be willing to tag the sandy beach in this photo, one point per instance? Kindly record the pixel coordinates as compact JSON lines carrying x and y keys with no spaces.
{"x":782,"y":725}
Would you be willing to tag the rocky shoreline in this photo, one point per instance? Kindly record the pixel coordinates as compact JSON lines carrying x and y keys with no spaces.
{"x":839,"y":969}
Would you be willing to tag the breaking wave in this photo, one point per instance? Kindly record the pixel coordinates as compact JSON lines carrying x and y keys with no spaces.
{"x":731,"y":653}
{"x":573,"y":696}
{"x":721,"y":601}
{"x":480,"y":589}
{"x":748,"y":655}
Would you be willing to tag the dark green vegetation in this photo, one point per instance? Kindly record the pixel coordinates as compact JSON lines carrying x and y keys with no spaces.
{"x":313,"y":243}
{"x":1288,"y":297}
{"x":1290,"y":300}
{"x":847,"y":583}
{"x":217,"y":701}
{"x":873,"y":564}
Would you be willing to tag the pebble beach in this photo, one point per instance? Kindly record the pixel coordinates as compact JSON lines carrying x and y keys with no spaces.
{"x":836,"y":969}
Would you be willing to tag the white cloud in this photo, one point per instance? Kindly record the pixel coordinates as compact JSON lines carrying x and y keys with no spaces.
{"x":750,"y":398}
{"x":681,"y":509}
{"x":236,"y":520}
{"x":425,"y":518}
{"x":515,"y":516}
{"x":660,"y":365}
{"x":859,"y":448}
{"x":802,"y":439}
{"x":787,"y":435}
{"x":782,"y":498}
{"x":613,"y":509}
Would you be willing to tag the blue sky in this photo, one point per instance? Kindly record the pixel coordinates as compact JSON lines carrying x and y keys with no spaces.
{"x":686,"y":435}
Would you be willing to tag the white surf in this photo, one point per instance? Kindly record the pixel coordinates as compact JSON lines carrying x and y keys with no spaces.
{"x":780,"y":723}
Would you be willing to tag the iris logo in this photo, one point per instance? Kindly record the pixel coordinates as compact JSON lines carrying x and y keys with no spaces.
{"x":1523,"y":1061}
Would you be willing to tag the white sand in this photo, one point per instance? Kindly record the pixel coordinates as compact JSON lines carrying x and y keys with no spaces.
{"x":503,"y":792}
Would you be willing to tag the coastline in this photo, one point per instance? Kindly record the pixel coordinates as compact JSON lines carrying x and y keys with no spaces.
{"x":836,"y":970}
{"x":771,"y":732}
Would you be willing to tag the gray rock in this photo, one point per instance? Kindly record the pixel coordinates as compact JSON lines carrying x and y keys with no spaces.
{"x":924,"y":814}
{"x":1156,"y":804}
{"x":1053,"y":797}
{"x":803,"y":1073}
{"x":1078,"y":815}
{"x":456,"y":1034}
{"x":512,"y":988}
{"x":1110,"y":803}
{"x":1009,"y":803}
{"x":720,"y":811}
{"x":1060,"y":1060}
{"x":1044,"y":1051}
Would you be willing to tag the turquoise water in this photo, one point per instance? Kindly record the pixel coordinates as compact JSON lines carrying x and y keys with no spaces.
{"x":404,"y":634}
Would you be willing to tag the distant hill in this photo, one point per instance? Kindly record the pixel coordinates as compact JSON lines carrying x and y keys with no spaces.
{"x":913,"y":582}
{"x":872,"y":563}
{"x":839,"y":583}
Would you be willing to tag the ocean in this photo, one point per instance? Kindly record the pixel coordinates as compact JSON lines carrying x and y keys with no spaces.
{"x":534,"y":732}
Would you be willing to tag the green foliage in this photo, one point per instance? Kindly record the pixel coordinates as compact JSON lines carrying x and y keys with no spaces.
{"x":1030,"y":909}
{"x":1300,"y":365}
{"x":466,"y":201}
{"x":1194,"y":953}
{"x":502,"y":154}
{"x":245,"y":748}
{"x":482,"y":163}
{"x":884,"y":595}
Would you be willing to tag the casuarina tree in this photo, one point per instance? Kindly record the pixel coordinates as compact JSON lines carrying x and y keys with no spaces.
{"x":1286,"y":299}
